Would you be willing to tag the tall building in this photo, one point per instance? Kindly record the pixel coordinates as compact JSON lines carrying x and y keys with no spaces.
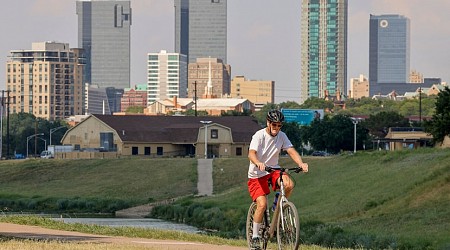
{"x":323,"y":48}
{"x":46,"y":81}
{"x":201,"y":29}
{"x":258,"y":92}
{"x":167,"y":76}
{"x":389,"y":49}
{"x":209,"y":77}
{"x":104,"y":34}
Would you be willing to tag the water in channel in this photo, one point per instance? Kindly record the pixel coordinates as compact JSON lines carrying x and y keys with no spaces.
{"x":141,"y":223}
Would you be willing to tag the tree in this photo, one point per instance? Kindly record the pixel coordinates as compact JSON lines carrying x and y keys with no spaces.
{"x":293,"y":132}
{"x":317,"y":103}
{"x":379,"y":124}
{"x":439,"y":125}
{"x":135,"y":110}
{"x":23,"y":125}
{"x":333,"y":134}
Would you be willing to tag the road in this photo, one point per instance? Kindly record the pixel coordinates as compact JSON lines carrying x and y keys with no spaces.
{"x":35,"y":232}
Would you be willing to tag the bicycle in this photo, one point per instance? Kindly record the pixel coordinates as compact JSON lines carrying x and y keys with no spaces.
{"x":285,"y":221}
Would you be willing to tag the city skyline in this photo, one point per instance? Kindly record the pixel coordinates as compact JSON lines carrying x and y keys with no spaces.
{"x":263,"y":42}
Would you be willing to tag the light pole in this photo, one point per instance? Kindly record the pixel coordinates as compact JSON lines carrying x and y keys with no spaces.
{"x":420,"y":106}
{"x":355,"y":121}
{"x":206,"y":137}
{"x":51,"y":132}
{"x":28,"y":139}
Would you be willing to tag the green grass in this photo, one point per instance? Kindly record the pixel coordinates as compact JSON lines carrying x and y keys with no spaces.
{"x":133,"y":180}
{"x":403,"y":195}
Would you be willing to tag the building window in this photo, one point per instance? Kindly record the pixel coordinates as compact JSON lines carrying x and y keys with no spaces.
{"x":159,"y":151}
{"x":214,"y":134}
{"x":134,"y":150}
{"x":239,"y":151}
{"x":147,"y":151}
{"x":215,"y":1}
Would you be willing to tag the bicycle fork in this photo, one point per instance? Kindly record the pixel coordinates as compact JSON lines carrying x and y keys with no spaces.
{"x":277,"y":211}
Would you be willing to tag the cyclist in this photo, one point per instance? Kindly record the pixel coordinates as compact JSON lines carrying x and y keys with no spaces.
{"x":264,"y":150}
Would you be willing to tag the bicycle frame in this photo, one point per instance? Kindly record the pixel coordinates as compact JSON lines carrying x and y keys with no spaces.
{"x":281,"y":200}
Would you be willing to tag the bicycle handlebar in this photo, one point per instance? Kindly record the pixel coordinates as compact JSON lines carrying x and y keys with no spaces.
{"x":296,"y":169}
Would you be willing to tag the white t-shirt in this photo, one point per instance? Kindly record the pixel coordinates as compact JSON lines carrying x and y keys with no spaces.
{"x":268,"y":149}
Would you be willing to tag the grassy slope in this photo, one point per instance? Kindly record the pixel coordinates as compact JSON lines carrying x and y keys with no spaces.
{"x":403,"y":194}
{"x":136,"y":180}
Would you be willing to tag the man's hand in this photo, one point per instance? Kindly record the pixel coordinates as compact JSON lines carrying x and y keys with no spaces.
{"x":304,"y":167}
{"x":261,"y":166}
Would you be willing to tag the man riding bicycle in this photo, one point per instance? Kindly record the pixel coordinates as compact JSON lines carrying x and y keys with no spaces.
{"x":265,"y":148}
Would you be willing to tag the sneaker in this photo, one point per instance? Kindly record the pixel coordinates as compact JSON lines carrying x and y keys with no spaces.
{"x":256,"y":243}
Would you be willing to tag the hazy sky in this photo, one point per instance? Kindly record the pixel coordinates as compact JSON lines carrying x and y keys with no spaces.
{"x":263,"y":35}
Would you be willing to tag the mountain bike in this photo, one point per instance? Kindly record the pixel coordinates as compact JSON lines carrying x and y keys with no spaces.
{"x":285,"y":223}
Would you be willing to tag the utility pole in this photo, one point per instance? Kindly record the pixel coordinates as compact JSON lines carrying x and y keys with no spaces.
{"x":1,"y":123}
{"x":7,"y":124}
{"x":35,"y":138}
{"x":195,"y":97}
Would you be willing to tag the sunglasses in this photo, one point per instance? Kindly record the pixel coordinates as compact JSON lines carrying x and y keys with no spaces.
{"x":276,"y":125}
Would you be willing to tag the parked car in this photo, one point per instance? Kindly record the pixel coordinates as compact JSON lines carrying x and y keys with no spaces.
{"x":19,"y":156}
{"x":319,"y":153}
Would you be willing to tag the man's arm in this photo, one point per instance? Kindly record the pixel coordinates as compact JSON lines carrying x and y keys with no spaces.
{"x":295,"y":156}
{"x":254,"y":159}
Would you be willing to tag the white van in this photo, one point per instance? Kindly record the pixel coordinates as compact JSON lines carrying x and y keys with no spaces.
{"x":46,"y":154}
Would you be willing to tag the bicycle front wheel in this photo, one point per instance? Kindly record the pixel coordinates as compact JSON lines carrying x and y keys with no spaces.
{"x":288,"y":228}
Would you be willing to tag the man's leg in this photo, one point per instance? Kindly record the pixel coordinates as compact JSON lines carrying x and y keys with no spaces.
{"x":261,"y":204}
{"x":288,"y":184}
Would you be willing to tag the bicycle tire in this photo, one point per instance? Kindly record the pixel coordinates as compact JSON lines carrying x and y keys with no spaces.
{"x":249,"y":228}
{"x":289,"y":236}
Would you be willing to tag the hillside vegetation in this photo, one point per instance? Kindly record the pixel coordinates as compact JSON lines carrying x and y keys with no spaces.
{"x":389,"y":199}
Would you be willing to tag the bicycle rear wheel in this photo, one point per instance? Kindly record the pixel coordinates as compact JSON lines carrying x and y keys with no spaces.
{"x":288,"y":228}
{"x":249,"y":228}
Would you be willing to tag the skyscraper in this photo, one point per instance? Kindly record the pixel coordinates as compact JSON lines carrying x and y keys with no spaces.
{"x":201,"y":29}
{"x":323,"y":48}
{"x":167,"y":76}
{"x":104,"y":34}
{"x":388,"y":49}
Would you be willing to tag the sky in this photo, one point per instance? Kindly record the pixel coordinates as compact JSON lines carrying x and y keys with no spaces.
{"x":263,"y":35}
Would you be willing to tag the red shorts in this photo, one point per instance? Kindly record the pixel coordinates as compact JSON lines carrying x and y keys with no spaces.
{"x":260,"y":186}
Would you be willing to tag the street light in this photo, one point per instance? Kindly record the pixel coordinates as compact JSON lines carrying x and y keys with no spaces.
{"x":51,"y":132}
{"x":28,"y":139}
{"x":355,"y":121}
{"x":206,"y":137}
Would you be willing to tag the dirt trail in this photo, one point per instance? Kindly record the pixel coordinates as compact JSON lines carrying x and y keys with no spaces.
{"x":34,"y":232}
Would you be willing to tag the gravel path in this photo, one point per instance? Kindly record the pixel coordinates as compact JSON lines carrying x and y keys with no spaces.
{"x":34,"y":232}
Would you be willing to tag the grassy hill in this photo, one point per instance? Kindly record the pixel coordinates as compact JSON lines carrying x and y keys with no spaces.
{"x":398,"y":197}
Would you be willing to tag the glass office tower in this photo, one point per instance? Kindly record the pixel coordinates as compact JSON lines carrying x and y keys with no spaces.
{"x":104,"y":34}
{"x":389,"y":48}
{"x":201,"y":29}
{"x":323,"y":48}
